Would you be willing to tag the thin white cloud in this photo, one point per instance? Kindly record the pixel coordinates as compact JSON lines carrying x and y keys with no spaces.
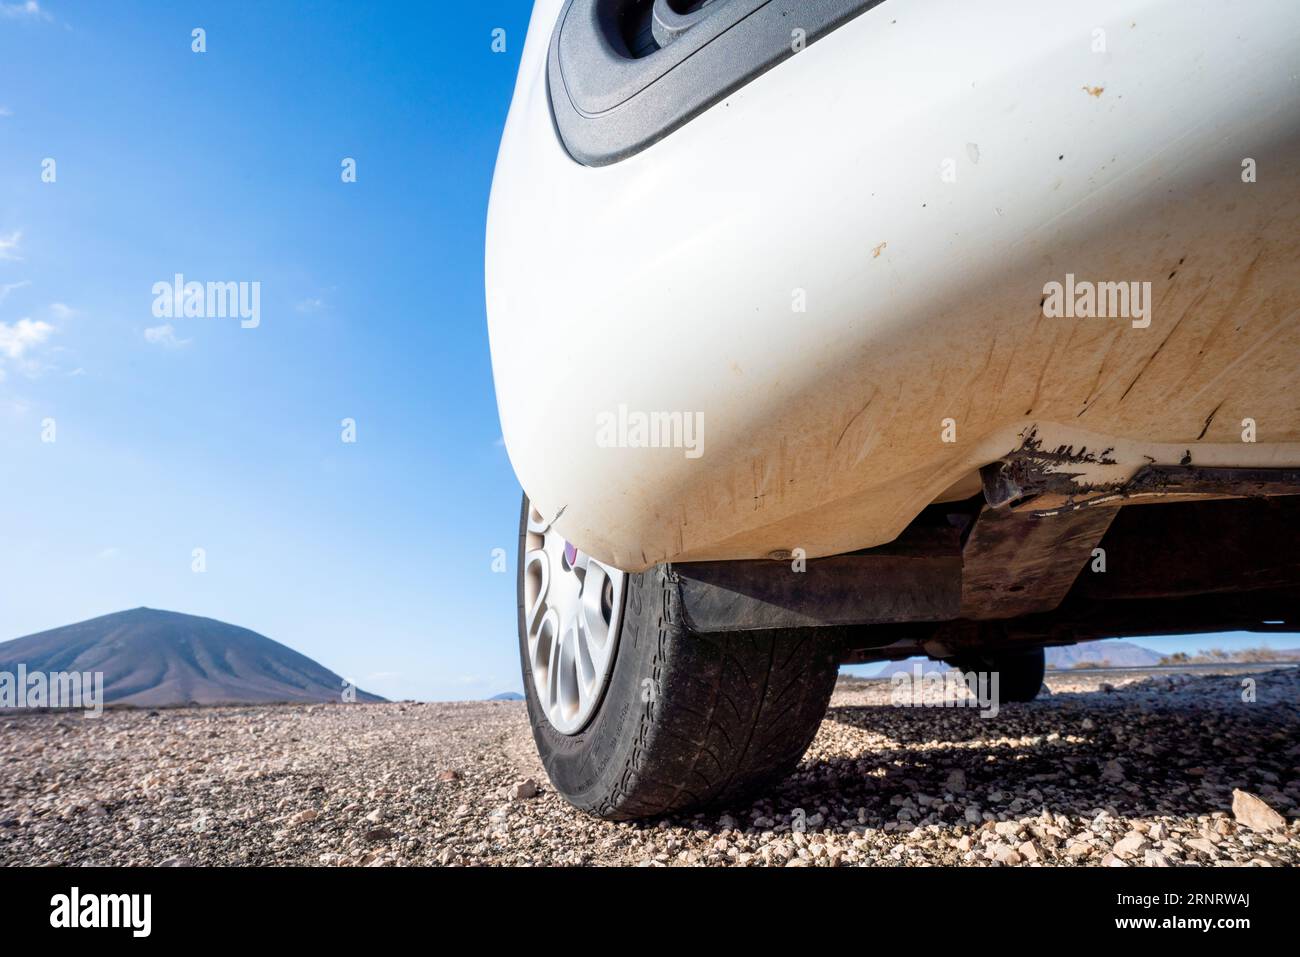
{"x":62,"y":310}
{"x":310,"y":305}
{"x":108,"y":554}
{"x":165,"y":336}
{"x":23,"y":10}
{"x":15,"y":409}
{"x":9,"y":246}
{"x":7,"y":288}
{"x":5,"y":111}
{"x":18,"y":338}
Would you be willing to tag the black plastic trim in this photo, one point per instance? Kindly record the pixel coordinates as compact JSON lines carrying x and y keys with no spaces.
{"x":613,"y":96}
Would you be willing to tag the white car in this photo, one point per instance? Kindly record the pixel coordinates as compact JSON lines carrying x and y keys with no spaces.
{"x":847,"y":330}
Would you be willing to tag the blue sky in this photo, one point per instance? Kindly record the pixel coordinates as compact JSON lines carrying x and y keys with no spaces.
{"x":375,"y":557}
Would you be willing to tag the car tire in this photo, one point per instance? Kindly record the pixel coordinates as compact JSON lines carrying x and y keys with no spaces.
{"x":685,"y":720}
{"x":1020,"y":671}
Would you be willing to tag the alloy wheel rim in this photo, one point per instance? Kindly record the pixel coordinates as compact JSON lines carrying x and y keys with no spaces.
{"x":573,"y":608}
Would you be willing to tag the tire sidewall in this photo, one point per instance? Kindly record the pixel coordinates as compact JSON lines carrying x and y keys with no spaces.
{"x":588,"y":767}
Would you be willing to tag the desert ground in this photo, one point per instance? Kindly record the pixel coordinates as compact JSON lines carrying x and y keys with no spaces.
{"x":1110,"y":769}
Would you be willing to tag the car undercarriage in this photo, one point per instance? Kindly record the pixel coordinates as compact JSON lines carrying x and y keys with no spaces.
{"x":968,"y":574}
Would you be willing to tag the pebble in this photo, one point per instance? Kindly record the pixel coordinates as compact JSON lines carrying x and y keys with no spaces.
{"x":524,"y":791}
{"x":1129,"y":844}
{"x":1251,"y":811}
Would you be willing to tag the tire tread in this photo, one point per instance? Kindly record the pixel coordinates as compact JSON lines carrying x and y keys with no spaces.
{"x":766,"y":690}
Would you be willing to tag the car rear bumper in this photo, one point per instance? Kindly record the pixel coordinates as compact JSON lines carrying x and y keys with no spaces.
{"x":843,"y":265}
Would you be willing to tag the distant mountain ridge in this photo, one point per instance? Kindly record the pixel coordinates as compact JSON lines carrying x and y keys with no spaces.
{"x":153,"y":658}
{"x":908,"y":667}
{"x":1115,"y":654}
{"x":1112,"y":653}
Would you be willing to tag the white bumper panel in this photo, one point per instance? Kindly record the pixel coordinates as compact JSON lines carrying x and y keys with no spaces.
{"x":913,"y":181}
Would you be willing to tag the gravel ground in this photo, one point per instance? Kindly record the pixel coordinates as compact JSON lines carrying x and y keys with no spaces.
{"x":1108,"y":770}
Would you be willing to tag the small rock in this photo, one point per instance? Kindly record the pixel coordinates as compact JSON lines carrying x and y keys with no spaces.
{"x":1006,"y":855}
{"x":522,"y":792}
{"x":956,"y":782}
{"x":1007,"y":828}
{"x":1252,"y":812}
{"x":448,"y":775}
{"x":1130,"y":844}
{"x":378,"y":834}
